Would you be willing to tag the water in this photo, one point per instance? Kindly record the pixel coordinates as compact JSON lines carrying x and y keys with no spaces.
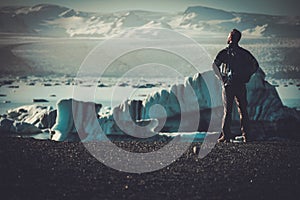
{"x":289,"y":95}
{"x":108,"y":96}
{"x":65,"y":56}
{"x":292,"y":103}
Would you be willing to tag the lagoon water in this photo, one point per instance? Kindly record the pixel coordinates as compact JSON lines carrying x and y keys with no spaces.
{"x":109,"y":96}
{"x":64,"y":56}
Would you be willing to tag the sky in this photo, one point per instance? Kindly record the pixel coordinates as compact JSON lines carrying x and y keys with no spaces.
{"x":272,"y":7}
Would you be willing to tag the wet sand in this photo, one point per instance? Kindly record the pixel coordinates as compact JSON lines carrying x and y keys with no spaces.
{"x":33,"y":169}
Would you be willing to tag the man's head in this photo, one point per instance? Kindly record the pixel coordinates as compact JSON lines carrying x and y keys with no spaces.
{"x":234,"y":37}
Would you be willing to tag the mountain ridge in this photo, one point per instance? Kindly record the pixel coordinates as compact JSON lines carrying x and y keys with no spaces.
{"x":56,"y":20}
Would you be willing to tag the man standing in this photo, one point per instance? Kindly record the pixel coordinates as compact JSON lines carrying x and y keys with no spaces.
{"x":234,"y":66}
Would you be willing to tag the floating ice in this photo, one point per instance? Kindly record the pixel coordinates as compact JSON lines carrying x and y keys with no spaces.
{"x":162,"y":111}
{"x":71,"y":112}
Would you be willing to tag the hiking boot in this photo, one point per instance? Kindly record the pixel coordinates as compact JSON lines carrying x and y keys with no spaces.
{"x":248,"y":138}
{"x":224,"y":139}
{"x":244,"y":138}
{"x":241,"y":138}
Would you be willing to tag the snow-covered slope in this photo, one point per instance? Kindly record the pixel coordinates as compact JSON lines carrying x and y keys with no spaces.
{"x":214,"y":20}
{"x":53,"y":20}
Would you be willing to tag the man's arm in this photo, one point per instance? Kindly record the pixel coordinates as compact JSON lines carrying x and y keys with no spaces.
{"x":253,"y":62}
{"x":220,"y":58}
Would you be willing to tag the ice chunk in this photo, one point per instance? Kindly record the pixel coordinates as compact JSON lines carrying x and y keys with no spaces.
{"x":173,"y":110}
{"x":40,"y":116}
{"x":17,"y":127}
{"x":75,"y":116}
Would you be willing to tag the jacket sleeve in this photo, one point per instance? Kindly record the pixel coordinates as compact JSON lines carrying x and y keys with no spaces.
{"x":253,"y":62}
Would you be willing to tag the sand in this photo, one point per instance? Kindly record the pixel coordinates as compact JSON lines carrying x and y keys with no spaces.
{"x":33,"y":169}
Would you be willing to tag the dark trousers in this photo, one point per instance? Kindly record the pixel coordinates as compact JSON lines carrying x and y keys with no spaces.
{"x":239,"y":93}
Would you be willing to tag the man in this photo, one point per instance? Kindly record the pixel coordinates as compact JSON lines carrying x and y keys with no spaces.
{"x":234,"y":67}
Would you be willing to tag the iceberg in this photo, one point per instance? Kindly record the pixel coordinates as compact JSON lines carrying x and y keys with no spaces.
{"x":194,"y":106}
{"x":175,"y":110}
{"x":40,"y":116}
{"x":75,"y":117}
{"x":10,"y":126}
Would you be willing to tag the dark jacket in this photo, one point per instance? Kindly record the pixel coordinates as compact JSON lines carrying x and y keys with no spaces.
{"x":235,"y":65}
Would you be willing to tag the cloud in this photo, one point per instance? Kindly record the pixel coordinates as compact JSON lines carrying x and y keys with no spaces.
{"x":255,"y":32}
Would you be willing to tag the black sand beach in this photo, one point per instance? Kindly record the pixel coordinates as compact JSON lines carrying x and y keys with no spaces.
{"x":32,"y":169}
